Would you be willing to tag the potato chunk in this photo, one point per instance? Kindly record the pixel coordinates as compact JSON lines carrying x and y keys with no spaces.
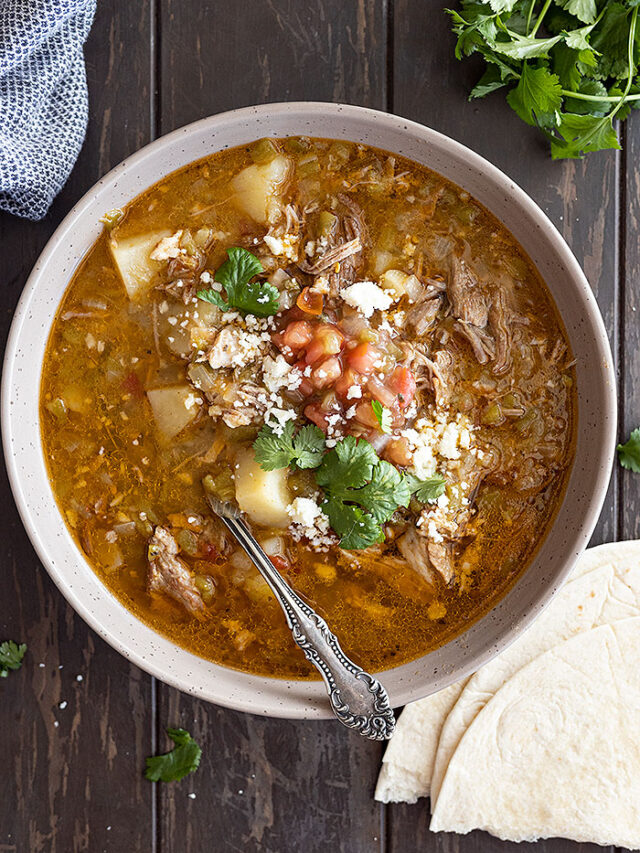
{"x":173,"y":409}
{"x":131,"y":257}
{"x":258,"y":189}
{"x":263,"y":495}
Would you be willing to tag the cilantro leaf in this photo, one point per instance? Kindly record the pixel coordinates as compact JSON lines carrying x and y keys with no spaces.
{"x":252,"y":297}
{"x":383,"y":416}
{"x":11,"y":655}
{"x":537,"y":96}
{"x":426,"y":491}
{"x":582,"y":134}
{"x":280,"y":451}
{"x":629,"y":452}
{"x":525,"y":47}
{"x":585,"y":10}
{"x":348,"y":466}
{"x":183,"y":759}
{"x":387,"y":491}
{"x":309,"y":446}
{"x":355,"y":528}
{"x":274,"y":451}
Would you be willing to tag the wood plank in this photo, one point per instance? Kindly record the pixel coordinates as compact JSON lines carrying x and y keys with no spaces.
{"x":322,"y":50}
{"x":581,"y":198}
{"x":74,"y":780}
{"x":630,"y":332}
{"x":306,"y":786}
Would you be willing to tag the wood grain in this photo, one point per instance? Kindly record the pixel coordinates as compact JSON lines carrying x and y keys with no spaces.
{"x":629,"y":388}
{"x":73,"y":749}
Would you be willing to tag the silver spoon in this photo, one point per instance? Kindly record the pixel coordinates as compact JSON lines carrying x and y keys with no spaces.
{"x":358,"y":700}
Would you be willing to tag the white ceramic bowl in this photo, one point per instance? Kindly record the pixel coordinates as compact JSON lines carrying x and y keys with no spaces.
{"x":46,"y":286}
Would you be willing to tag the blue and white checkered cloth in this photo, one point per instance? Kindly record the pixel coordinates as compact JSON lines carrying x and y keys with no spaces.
{"x":43,"y":99}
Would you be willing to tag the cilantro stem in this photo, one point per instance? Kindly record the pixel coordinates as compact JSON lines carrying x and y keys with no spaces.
{"x":632,"y":41}
{"x":533,"y":3}
{"x":543,"y":12}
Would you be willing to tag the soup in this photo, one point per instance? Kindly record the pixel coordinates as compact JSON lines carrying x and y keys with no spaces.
{"x":349,"y":348}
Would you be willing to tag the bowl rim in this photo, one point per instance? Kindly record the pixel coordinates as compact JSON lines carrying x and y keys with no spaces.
{"x":316,"y":708}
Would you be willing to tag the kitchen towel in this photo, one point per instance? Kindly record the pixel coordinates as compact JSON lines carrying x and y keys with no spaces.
{"x":43,"y":99}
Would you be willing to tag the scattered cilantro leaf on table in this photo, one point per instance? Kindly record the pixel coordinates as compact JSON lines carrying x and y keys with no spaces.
{"x":235,"y":274}
{"x":183,"y":759}
{"x":570,"y":66}
{"x":11,"y":655}
{"x":629,"y":452}
{"x":279,"y":451}
{"x":383,"y":416}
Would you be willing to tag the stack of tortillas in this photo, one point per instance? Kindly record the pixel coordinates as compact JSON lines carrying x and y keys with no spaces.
{"x":543,"y":741}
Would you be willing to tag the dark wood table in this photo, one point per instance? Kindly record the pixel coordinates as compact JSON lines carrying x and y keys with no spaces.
{"x":72,"y":775}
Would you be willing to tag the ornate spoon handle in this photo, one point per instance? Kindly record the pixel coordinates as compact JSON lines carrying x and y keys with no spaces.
{"x":358,"y":700}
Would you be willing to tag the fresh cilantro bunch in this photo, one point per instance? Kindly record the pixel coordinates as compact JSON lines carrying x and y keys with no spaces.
{"x":183,"y":759}
{"x":11,"y":655}
{"x":570,"y":66}
{"x":235,"y":274}
{"x":361,"y":491}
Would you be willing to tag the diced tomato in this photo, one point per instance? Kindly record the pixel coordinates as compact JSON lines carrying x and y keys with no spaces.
{"x":397,"y":451}
{"x":363,"y":358}
{"x":380,"y":392}
{"x":365,"y":415}
{"x":326,"y":373}
{"x":132,"y":385}
{"x":347,"y":380}
{"x":297,"y":335}
{"x":327,"y":340}
{"x":403,"y":383}
{"x":310,"y":301}
{"x":315,"y":414}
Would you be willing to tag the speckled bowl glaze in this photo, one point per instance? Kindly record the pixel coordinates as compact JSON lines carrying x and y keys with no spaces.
{"x":21,"y":423}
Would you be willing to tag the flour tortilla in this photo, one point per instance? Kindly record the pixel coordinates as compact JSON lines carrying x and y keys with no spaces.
{"x":410,"y":756}
{"x":408,"y":760}
{"x":555,"y":752}
{"x":599,"y":597}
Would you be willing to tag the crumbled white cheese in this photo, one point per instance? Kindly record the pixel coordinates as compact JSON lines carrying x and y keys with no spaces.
{"x":448,"y":446}
{"x":277,"y":373}
{"x":192,"y":400}
{"x":366,"y":297}
{"x":309,"y":522}
{"x":354,"y":392}
{"x":285,"y":246}
{"x":235,"y":347}
{"x":168,"y":248}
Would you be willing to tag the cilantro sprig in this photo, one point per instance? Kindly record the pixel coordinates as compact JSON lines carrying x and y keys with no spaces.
{"x":629,"y":452}
{"x":280,"y":451}
{"x":361,"y":491}
{"x":11,"y":655}
{"x":235,"y":274}
{"x":570,"y":67}
{"x":183,"y":759}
